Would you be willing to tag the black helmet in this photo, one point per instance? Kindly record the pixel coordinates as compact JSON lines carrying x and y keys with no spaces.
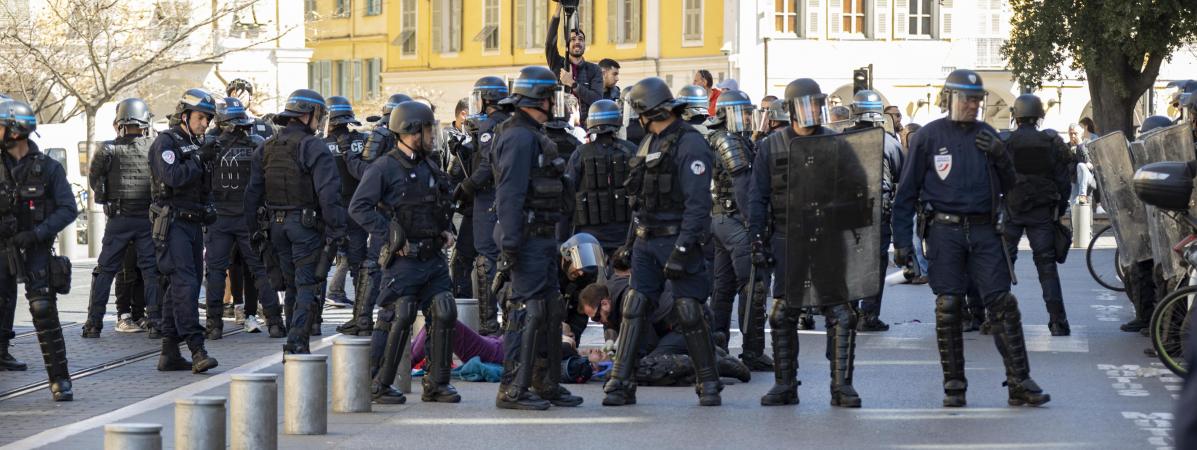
{"x":867,"y":106}
{"x":604,"y":116}
{"x":730,"y":109}
{"x":133,"y":111}
{"x":962,"y":87}
{"x":239,"y":84}
{"x":300,"y":102}
{"x":393,"y":101}
{"x":16,"y":115}
{"x":535,"y":83}
{"x":231,"y":112}
{"x":778,"y":112}
{"x":651,"y":98}
{"x":410,"y":118}
{"x":696,"y":100}
{"x":487,"y":91}
{"x":1154,"y":122}
{"x":1027,"y":106}
{"x":340,"y":111}
{"x":196,"y":100}
{"x":806,"y":102}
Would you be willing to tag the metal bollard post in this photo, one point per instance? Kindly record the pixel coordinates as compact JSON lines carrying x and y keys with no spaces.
{"x":467,"y":312}
{"x":305,"y":390}
{"x":253,"y":411}
{"x":132,"y":436}
{"x":199,"y":423}
{"x":351,"y":375}
{"x":1082,"y":223}
{"x":404,"y":384}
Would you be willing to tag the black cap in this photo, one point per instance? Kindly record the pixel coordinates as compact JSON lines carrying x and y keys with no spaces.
{"x":1027,"y":105}
{"x":133,"y":111}
{"x":410,"y":118}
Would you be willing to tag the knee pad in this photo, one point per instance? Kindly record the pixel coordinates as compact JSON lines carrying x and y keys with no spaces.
{"x":534,"y":311}
{"x":44,"y":311}
{"x":948,"y":307}
{"x":1047,"y":268}
{"x":405,"y":310}
{"x":634,"y":305}
{"x":689,"y":312}
{"x":1005,"y":307}
{"x":444,"y":309}
{"x":783,"y":316}
{"x":844,"y":314}
{"x":482,"y":264}
{"x":386,"y":315}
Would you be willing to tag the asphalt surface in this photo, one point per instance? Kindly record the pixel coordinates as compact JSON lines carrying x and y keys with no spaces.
{"x":1105,"y":392}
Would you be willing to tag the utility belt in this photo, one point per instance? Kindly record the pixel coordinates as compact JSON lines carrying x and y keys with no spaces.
{"x":424,"y":249}
{"x":126,"y":208}
{"x":307,"y":217}
{"x":961,"y":219}
{"x":541,"y":230}
{"x":725,"y":207}
{"x":655,"y":231}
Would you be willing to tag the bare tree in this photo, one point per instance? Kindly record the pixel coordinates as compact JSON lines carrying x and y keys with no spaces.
{"x":92,"y":51}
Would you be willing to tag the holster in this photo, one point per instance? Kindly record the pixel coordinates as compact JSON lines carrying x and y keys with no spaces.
{"x":160,"y":217}
{"x":60,"y":274}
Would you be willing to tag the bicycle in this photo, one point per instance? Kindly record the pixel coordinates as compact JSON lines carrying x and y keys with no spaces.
{"x":1169,"y":325}
{"x":1108,"y":275}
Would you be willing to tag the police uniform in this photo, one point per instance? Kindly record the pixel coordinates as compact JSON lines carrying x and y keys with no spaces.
{"x":729,"y":217}
{"x":343,"y":142}
{"x":597,"y":171}
{"x":461,"y":266}
{"x":891,"y":171}
{"x":481,"y":183}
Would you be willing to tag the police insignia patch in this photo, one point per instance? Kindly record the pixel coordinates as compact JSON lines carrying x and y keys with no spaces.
{"x":943,"y":166}
{"x":168,"y":156}
{"x":356,"y":146}
{"x":698,"y":167}
{"x":484,"y":138}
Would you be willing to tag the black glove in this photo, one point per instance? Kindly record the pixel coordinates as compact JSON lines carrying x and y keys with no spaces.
{"x":989,"y":143}
{"x":462,"y":194}
{"x":208,"y":151}
{"x":761,"y":256}
{"x":506,"y":262}
{"x":675,"y":266}
{"x":24,"y":239}
{"x":902,"y":256}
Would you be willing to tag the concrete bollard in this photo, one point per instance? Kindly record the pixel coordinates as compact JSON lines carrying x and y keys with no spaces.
{"x":199,"y":423}
{"x":467,"y":313}
{"x":305,"y":394}
{"x":253,"y":411}
{"x":132,"y":436}
{"x":1082,"y":224}
{"x":404,"y":383}
{"x":351,"y":375}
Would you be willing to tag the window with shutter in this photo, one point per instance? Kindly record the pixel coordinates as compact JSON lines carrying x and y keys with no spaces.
{"x":373,"y":7}
{"x":692,"y":21}
{"x":586,"y":19}
{"x":373,"y":73}
{"x":357,"y":80}
{"x":945,"y":19}
{"x":342,"y":8}
{"x":623,"y":21}
{"x":325,"y":78}
{"x":814,"y":19}
{"x":785,"y":17}
{"x":881,"y":14}
{"x":489,"y":34}
{"x":407,"y":27}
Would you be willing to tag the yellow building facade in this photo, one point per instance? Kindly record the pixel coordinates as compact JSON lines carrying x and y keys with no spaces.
{"x":368,"y":49}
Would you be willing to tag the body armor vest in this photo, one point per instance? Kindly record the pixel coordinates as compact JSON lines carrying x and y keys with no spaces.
{"x":654,"y":180}
{"x":1034,"y":163}
{"x":231,"y":172}
{"x":421,"y":209}
{"x":601,"y":198}
{"x":32,"y":203}
{"x":483,"y":145}
{"x":341,"y":144}
{"x":195,"y":191}
{"x":288,"y":185}
{"x":545,"y":199}
{"x":127,"y":182}
{"x":733,"y":154}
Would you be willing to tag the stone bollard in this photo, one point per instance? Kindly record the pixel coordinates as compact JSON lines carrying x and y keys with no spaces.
{"x":467,"y":313}
{"x":199,"y":423}
{"x":404,"y":384}
{"x":305,"y":391}
{"x":351,"y":375}
{"x":1082,"y":224}
{"x":132,"y":436}
{"x":253,"y":411}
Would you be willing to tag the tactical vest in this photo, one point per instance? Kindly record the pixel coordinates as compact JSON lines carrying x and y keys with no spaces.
{"x":601,"y":198}
{"x":128,"y":180}
{"x":654,"y":182}
{"x":32,"y":202}
{"x":780,"y":161}
{"x":288,"y":185}
{"x":421,"y":208}
{"x":194,"y":192}
{"x":489,"y":129}
{"x":545,"y":199}
{"x":1034,"y":163}
{"x":341,"y":145}
{"x":231,"y":173}
{"x":733,"y":154}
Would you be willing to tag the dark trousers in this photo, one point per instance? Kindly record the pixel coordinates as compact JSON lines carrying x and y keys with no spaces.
{"x":958,"y":255}
{"x":180,"y":258}
{"x":732,"y":262}
{"x":463,"y":259}
{"x":37,"y":264}
{"x":298,"y":248}
{"x":227,"y":233}
{"x":871,"y":306}
{"x":130,"y":288}
{"x":1043,"y":252}
{"x":120,"y":234}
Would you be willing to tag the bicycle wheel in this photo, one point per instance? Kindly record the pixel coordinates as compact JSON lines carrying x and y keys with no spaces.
{"x":1170,"y":329}
{"x":1103,"y":264}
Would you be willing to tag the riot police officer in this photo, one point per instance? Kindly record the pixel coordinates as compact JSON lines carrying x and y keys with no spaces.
{"x":230,"y":175}
{"x":35,"y":204}
{"x":343,"y":142}
{"x":1038,"y":200}
{"x":697,"y":107}
{"x":295,"y":176}
{"x":957,"y":169}
{"x":179,"y":161}
{"x":405,"y":196}
{"x":670,"y":184}
{"x":243,"y":90}
{"x":730,"y":128}
{"x":597,"y":172}
{"x":485,"y":114}
{"x":771,"y":188}
{"x":530,"y":193}
{"x":868,"y":111}
{"x":120,"y":177}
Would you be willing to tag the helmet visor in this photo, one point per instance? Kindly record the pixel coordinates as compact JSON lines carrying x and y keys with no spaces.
{"x":740,"y":118}
{"x":809,"y":110}
{"x":560,"y":109}
{"x":965,"y":106}
{"x":434,"y":129}
{"x":475,"y":106}
{"x":584,"y":259}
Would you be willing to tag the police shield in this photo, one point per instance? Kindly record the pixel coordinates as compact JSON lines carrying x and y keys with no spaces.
{"x":1174,"y":143}
{"x":833,"y":234}
{"x":1112,"y":162}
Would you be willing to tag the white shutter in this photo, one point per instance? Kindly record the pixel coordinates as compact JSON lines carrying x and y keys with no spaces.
{"x":901,"y":18}
{"x":945,"y":19}
{"x":612,"y":21}
{"x":881,"y":14}
{"x":438,"y":15}
{"x":814,"y":19}
{"x":835,"y":17}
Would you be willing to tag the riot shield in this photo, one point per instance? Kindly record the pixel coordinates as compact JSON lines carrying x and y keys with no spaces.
{"x":1174,"y":143}
{"x":1112,"y":164}
{"x":833,"y":210}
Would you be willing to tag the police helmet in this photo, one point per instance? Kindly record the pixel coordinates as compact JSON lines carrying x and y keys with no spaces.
{"x":533,"y":85}
{"x":582,"y":255}
{"x":777,"y":112}
{"x":17,"y":116}
{"x":340,"y":111}
{"x":604,"y":116}
{"x":1027,"y":106}
{"x":196,"y":99}
{"x":867,"y":107}
{"x":393,"y":101}
{"x":487,"y":91}
{"x":1154,"y":122}
{"x":696,"y":100}
{"x":239,"y":85}
{"x":133,"y":111}
{"x":731,"y":109}
{"x":411,"y":118}
{"x":231,"y":112}
{"x":651,"y":98}
{"x":962,"y":88}
{"x":300,"y":102}
{"x":806,"y":102}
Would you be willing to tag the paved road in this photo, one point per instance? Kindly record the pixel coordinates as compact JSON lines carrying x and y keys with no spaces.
{"x":1106,"y":393}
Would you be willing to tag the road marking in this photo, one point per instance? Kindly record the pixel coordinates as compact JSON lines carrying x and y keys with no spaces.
{"x":1107,"y":313}
{"x":1157,"y":424}
{"x":520,"y":421}
{"x":997,"y":446}
{"x":1040,"y":339}
{"x":1125,"y":379}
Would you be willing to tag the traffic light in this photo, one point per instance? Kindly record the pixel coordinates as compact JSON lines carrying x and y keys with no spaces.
{"x":862,"y":79}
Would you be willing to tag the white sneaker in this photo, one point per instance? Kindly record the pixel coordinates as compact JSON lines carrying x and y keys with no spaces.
{"x":239,"y":314}
{"x":124,"y":324}
{"x":252,"y":325}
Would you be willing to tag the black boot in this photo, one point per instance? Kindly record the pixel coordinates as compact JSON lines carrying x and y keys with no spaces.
{"x":488,"y":308}
{"x":754,"y":355}
{"x":515,"y":389}
{"x":806,"y":321}
{"x":440,"y":359}
{"x":317,"y":315}
{"x":7,"y":362}
{"x":1012,"y":345}
{"x":274,"y":322}
{"x":91,"y":330}
{"x":54,"y":355}
{"x":200,"y":361}
{"x":950,"y":339}
{"x":785,"y":357}
{"x":872,"y":323}
{"x":732,"y":367}
{"x":401,"y":314}
{"x":362,"y":323}
{"x":696,"y":330}
{"x":1059,"y":327}
{"x":546,"y":377}
{"x":620,"y":388}
{"x":171,"y":359}
{"x":843,"y":341}
{"x":214,"y":324}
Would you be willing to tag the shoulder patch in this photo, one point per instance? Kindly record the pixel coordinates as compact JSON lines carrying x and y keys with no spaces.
{"x":356,"y":146}
{"x":484,"y":138}
{"x":168,"y":156}
{"x":698,"y":168}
